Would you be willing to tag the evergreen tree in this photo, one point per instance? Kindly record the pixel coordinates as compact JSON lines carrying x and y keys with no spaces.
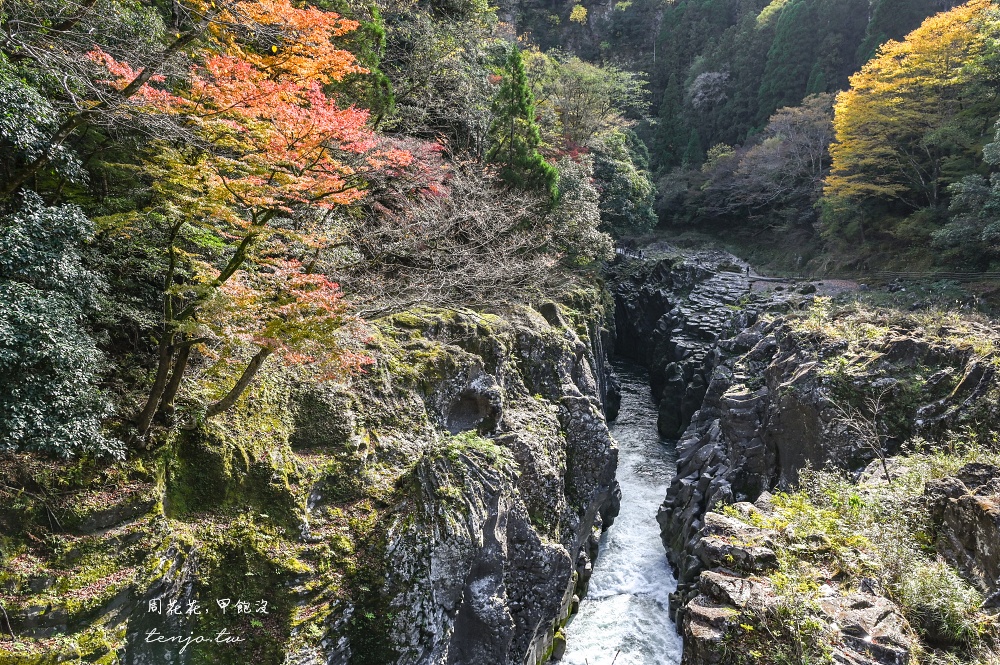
{"x":813,"y":49}
{"x":627,"y":191}
{"x":49,"y":364}
{"x":893,"y":19}
{"x":514,"y":134}
{"x":671,"y":132}
{"x":817,"y":80}
{"x":693,"y":155}
{"x":790,"y":58}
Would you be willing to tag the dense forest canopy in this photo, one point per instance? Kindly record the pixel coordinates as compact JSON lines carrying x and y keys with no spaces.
{"x":232,"y":179}
{"x":837,"y":124}
{"x":234,"y":184}
{"x":191,"y":190}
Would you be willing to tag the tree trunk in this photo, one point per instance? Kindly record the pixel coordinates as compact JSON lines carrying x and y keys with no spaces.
{"x":170,"y":392}
{"x":145,"y":417}
{"x":248,"y":374}
{"x":885,"y":465}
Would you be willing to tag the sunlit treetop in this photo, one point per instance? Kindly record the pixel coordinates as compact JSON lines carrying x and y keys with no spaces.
{"x":903,"y":115}
{"x":286,"y":41}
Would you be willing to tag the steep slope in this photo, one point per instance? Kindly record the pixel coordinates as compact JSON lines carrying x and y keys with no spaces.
{"x":442,"y":509}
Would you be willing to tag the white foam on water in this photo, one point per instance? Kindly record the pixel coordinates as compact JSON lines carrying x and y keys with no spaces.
{"x":625,"y":618}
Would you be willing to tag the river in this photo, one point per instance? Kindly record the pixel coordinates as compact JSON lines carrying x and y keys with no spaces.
{"x":625,"y":618}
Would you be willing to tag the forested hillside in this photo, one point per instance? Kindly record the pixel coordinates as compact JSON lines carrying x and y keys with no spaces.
{"x":208,"y":210}
{"x":741,"y":131}
{"x":220,"y":176}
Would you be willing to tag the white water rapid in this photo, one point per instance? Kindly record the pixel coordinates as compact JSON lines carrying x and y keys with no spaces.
{"x":624,"y":619}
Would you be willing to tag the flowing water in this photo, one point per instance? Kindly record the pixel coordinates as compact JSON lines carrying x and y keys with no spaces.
{"x":624,"y":618}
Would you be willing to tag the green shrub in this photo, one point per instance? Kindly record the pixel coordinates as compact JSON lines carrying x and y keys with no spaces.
{"x":833,"y":528}
{"x":49,"y":363}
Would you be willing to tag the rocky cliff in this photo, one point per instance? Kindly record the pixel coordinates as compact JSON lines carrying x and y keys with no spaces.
{"x":764,"y":385}
{"x":444,"y":508}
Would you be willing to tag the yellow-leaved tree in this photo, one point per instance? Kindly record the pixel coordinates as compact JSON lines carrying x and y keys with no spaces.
{"x":914,"y":117}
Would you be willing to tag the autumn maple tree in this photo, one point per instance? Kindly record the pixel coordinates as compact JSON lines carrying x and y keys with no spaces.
{"x":268,"y":158}
{"x":282,"y":308}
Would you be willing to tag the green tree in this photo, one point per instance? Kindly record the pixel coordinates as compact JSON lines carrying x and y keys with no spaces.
{"x":514,"y":133}
{"x":801,"y":62}
{"x":893,"y":19}
{"x":973,"y":230}
{"x":693,"y":154}
{"x":371,"y":89}
{"x":671,"y":133}
{"x":438,"y":60}
{"x":817,"y":80}
{"x":576,"y":218}
{"x":913,"y":116}
{"x":621,"y":164}
{"x":49,"y":363}
{"x":579,"y":100}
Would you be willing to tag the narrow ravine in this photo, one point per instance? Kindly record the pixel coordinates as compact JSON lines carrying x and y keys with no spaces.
{"x":625,"y":618}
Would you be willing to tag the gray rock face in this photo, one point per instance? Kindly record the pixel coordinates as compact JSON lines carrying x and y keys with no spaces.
{"x":443,"y":509}
{"x":486,"y":569}
{"x":967,"y":507}
{"x":669,"y":314}
{"x":864,"y":629}
{"x":728,"y":543}
{"x":765,"y":416}
{"x":755,"y":405}
{"x":754,"y":398}
{"x":861,"y":628}
{"x":871,"y":629}
{"x":492,"y":582}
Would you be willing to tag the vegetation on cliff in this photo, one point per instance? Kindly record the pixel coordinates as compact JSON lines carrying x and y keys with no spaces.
{"x":224,"y":228}
{"x":299,"y":304}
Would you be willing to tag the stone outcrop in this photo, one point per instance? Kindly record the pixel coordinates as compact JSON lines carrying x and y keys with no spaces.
{"x":861,"y":628}
{"x":769,"y":412}
{"x":765,"y":416}
{"x":966,"y":510}
{"x":443,"y":509}
{"x":759,"y":395}
{"x":479,"y":581}
{"x":669,"y":315}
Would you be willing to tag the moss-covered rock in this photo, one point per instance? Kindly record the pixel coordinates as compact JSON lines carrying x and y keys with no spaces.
{"x":850,"y":389}
{"x":367,"y":516}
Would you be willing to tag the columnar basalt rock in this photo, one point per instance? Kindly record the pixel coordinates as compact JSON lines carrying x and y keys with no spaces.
{"x":863,"y":628}
{"x":768,"y":402}
{"x":444,"y":508}
{"x":499,"y":541}
{"x":669,"y":315}
{"x":966,"y":510}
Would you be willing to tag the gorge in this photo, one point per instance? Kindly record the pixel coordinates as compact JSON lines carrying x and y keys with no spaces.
{"x":452,"y":332}
{"x":482,"y":521}
{"x":625,"y":615}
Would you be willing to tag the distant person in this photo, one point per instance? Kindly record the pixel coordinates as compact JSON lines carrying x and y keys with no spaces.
{"x":748,"y":271}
